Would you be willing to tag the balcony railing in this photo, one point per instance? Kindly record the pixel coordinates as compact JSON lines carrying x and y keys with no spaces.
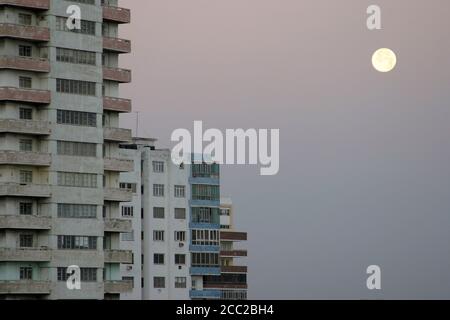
{"x":118,"y":195}
{"x":233,"y":269}
{"x":117,"y":225}
{"x":27,"y":222}
{"x":116,"y":104}
{"x":117,"y":74}
{"x":116,"y":134}
{"x":118,"y":286}
{"x":204,"y":294}
{"x":29,"y":190}
{"x":233,"y":253}
{"x":220,"y":285}
{"x":116,"y":14}
{"x":116,"y":45}
{"x":25,"y":127}
{"x":30,"y":4}
{"x":118,"y":256}
{"x":118,"y":165}
{"x":25,"y":254}
{"x":25,"y":287}
{"x":34,"y":159}
{"x":24,"y":63}
{"x":25,"y":95}
{"x":233,"y":236}
{"x":24,"y":32}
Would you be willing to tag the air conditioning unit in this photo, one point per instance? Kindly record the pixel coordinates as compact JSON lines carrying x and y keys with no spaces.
{"x":129,"y":268}
{"x":181,"y":244}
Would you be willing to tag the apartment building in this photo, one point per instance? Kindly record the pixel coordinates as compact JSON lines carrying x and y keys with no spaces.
{"x":187,"y":242}
{"x":59,"y":149}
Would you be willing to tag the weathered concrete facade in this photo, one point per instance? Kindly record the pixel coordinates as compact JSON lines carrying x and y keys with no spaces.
{"x":59,"y":149}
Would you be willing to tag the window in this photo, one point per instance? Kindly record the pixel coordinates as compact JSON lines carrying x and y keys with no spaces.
{"x":180,"y":192}
{"x":205,"y":237}
{"x":87,"y":27}
{"x":180,"y":282}
{"x":205,"y":192}
{"x":128,"y":236}
{"x":80,"y":180}
{"x":26,"y":114}
{"x":87,"y":274}
{"x":26,"y":145}
{"x":180,"y":259}
{"x":158,"y":213}
{"x":130,"y":280}
{"x":84,"y":88}
{"x":77,"y":243}
{"x":86,"y":1}
{"x":76,"y":56}
{"x":158,"y":166}
{"x":26,"y":176}
{"x":77,"y":211}
{"x":25,"y":82}
{"x":204,"y":259}
{"x":128,"y":186}
{"x":76,"y":118}
{"x":25,"y":209}
{"x":127,"y":211}
{"x":205,"y":215}
{"x":159,"y":282}
{"x":180,"y":213}
{"x":25,"y":51}
{"x":158,"y":235}
{"x":158,"y":190}
{"x":205,"y":170}
{"x":180,"y":236}
{"x":78,"y":149}
{"x":26,"y":273}
{"x":26,"y":240}
{"x":158,"y":258}
{"x":25,"y":19}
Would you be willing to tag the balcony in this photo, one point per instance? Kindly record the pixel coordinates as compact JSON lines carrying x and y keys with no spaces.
{"x":233,"y":253}
{"x":117,"y":74}
{"x":204,"y":294}
{"x":205,"y":271}
{"x":225,"y":285}
{"x":30,"y":4}
{"x":28,"y":190}
{"x":116,"y":104}
{"x":25,"y":287}
{"x":118,"y":286}
{"x":116,"y":14}
{"x":118,"y":165}
{"x":118,"y":256}
{"x":23,"y":32}
{"x":233,"y":236}
{"x":116,"y":45}
{"x":24,"y":63}
{"x":118,"y":195}
{"x":116,"y":134}
{"x":27,"y":222}
{"x":25,"y":255}
{"x":25,"y":95}
{"x":25,"y":127}
{"x":34,"y":159}
{"x":233,"y":269}
{"x":117,"y":225}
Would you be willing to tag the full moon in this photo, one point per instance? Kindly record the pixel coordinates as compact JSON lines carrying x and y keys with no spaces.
{"x":384,"y":60}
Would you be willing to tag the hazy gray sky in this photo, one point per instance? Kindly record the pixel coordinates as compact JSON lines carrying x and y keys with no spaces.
{"x":365,"y":156}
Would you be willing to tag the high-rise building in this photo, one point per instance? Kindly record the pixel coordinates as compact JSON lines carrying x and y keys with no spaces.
{"x":186,"y":244}
{"x":59,"y":149}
